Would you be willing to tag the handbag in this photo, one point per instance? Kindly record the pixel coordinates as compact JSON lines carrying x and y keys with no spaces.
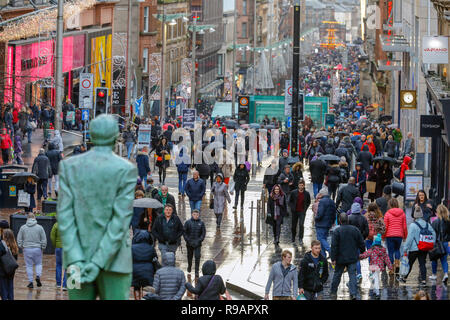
{"x":9,"y":264}
{"x":167,"y":157}
{"x":371,"y":186}
{"x":404,"y":266}
{"x":23,"y":199}
{"x":227,"y":296}
{"x":211,"y":203}
{"x":439,"y":250}
{"x":397,"y":173}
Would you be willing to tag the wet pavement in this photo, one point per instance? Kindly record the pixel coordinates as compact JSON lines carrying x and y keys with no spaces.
{"x":244,"y":266}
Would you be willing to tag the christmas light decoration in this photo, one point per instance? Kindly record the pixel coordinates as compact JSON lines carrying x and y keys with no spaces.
{"x":42,"y":21}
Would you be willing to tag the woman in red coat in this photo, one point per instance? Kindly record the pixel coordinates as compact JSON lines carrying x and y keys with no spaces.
{"x":371,"y":145}
{"x":5,"y":145}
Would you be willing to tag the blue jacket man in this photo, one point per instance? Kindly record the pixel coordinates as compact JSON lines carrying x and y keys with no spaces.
{"x":195,"y":190}
{"x":326,"y":215}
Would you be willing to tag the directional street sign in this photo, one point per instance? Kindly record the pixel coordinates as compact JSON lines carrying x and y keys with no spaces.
{"x":173,"y":103}
{"x":85,"y":115}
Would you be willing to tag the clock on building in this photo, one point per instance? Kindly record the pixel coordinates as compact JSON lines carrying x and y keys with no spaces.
{"x":408,"y":99}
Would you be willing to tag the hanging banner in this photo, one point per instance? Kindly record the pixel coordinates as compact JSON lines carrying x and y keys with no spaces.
{"x":189,"y":116}
{"x":435,"y":50}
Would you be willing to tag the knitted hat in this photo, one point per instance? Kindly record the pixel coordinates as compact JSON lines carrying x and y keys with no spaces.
{"x":4,"y":224}
{"x":356,"y":208}
{"x":418,"y":213}
{"x":387,"y":189}
{"x":324,"y":191}
{"x":377,"y":240}
{"x":285,"y":150}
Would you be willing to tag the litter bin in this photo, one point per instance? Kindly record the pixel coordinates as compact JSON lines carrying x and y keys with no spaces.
{"x":8,"y":191}
{"x":47,"y":222}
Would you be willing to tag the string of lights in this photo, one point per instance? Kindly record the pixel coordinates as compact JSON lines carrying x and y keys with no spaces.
{"x":43,"y":21}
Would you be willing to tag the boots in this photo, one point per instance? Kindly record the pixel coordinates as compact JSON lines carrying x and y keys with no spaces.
{"x":397,"y":266}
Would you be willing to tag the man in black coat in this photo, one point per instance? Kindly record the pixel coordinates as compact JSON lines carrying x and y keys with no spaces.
{"x":165,"y":197}
{"x":318,"y":169}
{"x":194,"y":234}
{"x":168,"y":229}
{"x":299,"y":202}
{"x":42,"y":168}
{"x":366,"y":158}
{"x":313,"y":272}
{"x":346,"y":246}
{"x":347,"y":195}
{"x":54,"y":155}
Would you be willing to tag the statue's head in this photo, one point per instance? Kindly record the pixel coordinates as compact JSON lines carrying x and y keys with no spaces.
{"x":104,"y":130}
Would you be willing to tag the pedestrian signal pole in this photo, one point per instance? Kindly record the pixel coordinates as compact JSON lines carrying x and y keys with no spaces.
{"x":295,"y":79}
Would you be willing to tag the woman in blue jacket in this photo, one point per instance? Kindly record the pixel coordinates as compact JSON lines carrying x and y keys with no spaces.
{"x":143,"y":165}
{"x":144,"y":259}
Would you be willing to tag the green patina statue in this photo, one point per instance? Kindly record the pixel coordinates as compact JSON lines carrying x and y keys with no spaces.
{"x":95,"y":206}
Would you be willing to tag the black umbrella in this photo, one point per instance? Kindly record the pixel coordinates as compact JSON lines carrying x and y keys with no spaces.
{"x":387,"y":159}
{"x":231,"y":124}
{"x":385,"y":118}
{"x":22,"y":177}
{"x":343,"y":132}
{"x":329,"y":157}
{"x":361,"y":121}
{"x":255,"y":125}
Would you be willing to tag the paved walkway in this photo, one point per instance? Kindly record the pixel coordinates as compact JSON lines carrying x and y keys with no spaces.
{"x":246,"y":267}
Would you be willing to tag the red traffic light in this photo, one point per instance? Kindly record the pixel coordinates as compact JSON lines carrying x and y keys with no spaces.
{"x":101,"y":94}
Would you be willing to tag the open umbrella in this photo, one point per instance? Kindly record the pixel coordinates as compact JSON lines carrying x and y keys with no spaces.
{"x":231,"y":124}
{"x":329,"y":157}
{"x":245,"y":126}
{"x":147,"y":203}
{"x":320,"y":134}
{"x":393,"y":126}
{"x":22,"y":177}
{"x":166,"y":126}
{"x":385,"y":118}
{"x":270,"y":127}
{"x":387,"y":159}
{"x":362,"y":122}
{"x":255,"y":125}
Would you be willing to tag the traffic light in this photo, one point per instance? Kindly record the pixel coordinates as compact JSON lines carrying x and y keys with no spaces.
{"x":101,"y":101}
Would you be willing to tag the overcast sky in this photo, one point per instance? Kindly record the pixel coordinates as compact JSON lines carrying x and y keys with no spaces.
{"x":228,"y":5}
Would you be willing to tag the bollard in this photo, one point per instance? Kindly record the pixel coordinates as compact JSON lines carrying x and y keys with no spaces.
{"x":258,"y":223}
{"x":251,"y":222}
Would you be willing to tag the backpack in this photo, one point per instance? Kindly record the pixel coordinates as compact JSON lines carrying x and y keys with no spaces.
{"x":426,"y":238}
{"x":248,"y":166}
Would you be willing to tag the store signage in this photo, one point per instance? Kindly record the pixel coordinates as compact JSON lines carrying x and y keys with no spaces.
{"x":435,"y":50}
{"x":86,"y":90}
{"x":288,"y":98}
{"x":189,"y":116}
{"x":144,"y":136}
{"x":27,"y":64}
{"x":430,"y":125}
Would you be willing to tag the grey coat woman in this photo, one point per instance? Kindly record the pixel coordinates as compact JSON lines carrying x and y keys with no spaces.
{"x":220,"y":192}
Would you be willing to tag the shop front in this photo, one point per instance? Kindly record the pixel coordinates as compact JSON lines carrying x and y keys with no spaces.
{"x":30,"y":69}
{"x":440,"y":145}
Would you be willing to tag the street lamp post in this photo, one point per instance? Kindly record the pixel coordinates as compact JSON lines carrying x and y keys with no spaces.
{"x":194,"y":47}
{"x":162,"y":111}
{"x":59,"y":83}
{"x":233,"y":79}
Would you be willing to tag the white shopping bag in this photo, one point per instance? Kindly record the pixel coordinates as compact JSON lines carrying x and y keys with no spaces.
{"x":23,"y":199}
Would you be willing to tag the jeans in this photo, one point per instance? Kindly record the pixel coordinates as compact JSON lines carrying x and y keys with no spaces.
{"x":422,"y":256}
{"x":182,"y":177}
{"x":29,"y":133}
{"x":316,"y":188}
{"x":358,"y":268}
{"x":298,"y":218}
{"x":195,"y":205}
{"x":236,"y":198}
{"x":5,"y":156}
{"x":144,"y":181}
{"x":393,"y":245}
{"x":42,"y":188}
{"x":322,"y":235}
{"x":59,"y":260}
{"x":191,"y":252}
{"x":163,"y":248}
{"x":56,"y":177}
{"x":444,"y":262}
{"x":277,"y":229}
{"x":33,"y":257}
{"x":338,"y":270}
{"x":218,"y":219}
{"x":129,"y":146}
{"x":7,"y":288}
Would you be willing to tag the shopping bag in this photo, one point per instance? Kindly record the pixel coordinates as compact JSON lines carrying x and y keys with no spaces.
{"x":371,"y":186}
{"x":301,"y":297}
{"x":23,"y":199}
{"x":404,"y":266}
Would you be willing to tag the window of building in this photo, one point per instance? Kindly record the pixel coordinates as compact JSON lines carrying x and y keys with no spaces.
{"x":244,"y":30}
{"x":244,"y":7}
{"x":146,"y":17}
{"x":145,"y":60}
{"x":220,"y":64}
